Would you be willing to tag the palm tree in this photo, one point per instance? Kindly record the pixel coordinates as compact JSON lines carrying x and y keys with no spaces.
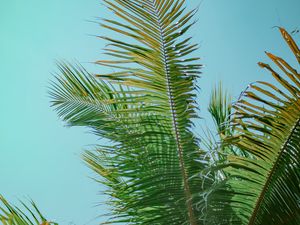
{"x":154,"y":168}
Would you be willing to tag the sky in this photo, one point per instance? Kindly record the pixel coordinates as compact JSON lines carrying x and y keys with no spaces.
{"x":39,"y":156}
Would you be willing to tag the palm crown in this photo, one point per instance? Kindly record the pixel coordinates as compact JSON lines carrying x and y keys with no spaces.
{"x":154,"y":167}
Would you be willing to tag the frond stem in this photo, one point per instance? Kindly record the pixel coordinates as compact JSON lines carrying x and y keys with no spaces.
{"x":187,"y":191}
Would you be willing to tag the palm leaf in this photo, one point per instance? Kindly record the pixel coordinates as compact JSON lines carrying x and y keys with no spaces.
{"x":153,"y":162}
{"x":12,"y":215}
{"x":220,"y":109}
{"x":264,"y":188}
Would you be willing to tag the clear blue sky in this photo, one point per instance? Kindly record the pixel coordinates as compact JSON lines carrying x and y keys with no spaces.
{"x":39,"y":157}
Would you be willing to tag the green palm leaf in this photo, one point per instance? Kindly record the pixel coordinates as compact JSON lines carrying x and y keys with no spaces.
{"x":263,"y":188}
{"x":12,"y":215}
{"x":220,"y":109}
{"x":145,"y":108}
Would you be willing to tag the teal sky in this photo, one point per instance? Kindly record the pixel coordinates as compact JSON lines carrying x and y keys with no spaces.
{"x":39,"y":157}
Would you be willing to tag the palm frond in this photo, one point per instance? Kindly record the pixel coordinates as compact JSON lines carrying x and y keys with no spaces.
{"x":220,"y":109}
{"x":30,"y":215}
{"x":152,"y":165}
{"x":265,"y":187}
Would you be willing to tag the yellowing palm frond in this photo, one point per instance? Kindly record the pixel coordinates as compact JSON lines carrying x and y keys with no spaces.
{"x":146,"y":107}
{"x":264,"y":187}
